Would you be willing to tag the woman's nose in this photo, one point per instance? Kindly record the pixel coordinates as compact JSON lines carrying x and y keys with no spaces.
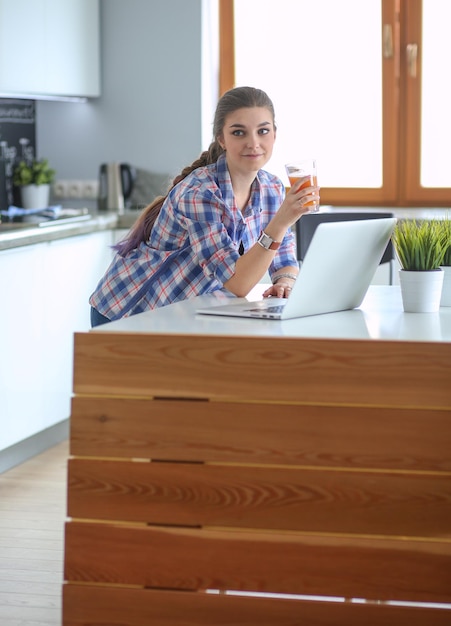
{"x":253,"y":141}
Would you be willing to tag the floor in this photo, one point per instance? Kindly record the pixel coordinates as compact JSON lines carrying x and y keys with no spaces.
{"x":32,"y":515}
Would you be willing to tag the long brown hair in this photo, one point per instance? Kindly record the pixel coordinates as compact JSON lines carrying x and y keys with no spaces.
{"x":237,"y":98}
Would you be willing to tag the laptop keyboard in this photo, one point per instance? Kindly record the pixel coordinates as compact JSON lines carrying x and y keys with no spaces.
{"x":278,"y":308}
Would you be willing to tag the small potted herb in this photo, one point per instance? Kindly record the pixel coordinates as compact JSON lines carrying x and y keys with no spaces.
{"x":34,"y":179}
{"x":420,"y":247}
{"x":445,"y":226}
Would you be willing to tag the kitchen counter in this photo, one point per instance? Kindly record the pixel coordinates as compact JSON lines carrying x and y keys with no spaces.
{"x":380,"y":317}
{"x":316,"y":448}
{"x":17,"y":235}
{"x":14,"y":235}
{"x":417,"y":213}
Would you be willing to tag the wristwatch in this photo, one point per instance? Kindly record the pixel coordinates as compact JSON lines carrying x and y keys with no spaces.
{"x":267,"y":242}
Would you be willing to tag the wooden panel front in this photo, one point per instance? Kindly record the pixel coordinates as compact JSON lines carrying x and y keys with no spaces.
{"x":325,"y":436}
{"x":374,"y":373}
{"x":103,"y":606}
{"x":293,"y":466}
{"x":279,"y":562}
{"x":316,"y":500}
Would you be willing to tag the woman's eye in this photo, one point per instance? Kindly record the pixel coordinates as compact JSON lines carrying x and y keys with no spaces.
{"x":263,"y":131}
{"x":237,"y":133}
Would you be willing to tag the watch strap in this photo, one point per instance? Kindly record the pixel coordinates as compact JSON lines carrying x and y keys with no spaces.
{"x":268,"y":242}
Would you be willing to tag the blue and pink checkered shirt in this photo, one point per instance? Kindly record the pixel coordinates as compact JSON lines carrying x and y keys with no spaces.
{"x":194,"y":243}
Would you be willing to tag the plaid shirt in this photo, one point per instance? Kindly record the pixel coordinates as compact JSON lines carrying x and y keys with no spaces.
{"x":194,"y":243}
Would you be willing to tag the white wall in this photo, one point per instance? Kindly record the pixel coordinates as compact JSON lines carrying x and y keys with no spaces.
{"x":150,"y":110}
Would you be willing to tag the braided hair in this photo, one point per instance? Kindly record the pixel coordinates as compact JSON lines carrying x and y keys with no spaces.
{"x":232,"y":100}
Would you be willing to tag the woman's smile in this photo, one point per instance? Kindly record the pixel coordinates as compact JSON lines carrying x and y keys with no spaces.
{"x":248,"y":139}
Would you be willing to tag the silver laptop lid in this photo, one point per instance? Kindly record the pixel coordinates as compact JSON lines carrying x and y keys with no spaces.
{"x":339,"y":266}
{"x":335,"y":275}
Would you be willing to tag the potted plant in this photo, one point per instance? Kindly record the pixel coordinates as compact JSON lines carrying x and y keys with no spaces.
{"x":445,"y":226}
{"x":420,"y":247}
{"x":34,"y":179}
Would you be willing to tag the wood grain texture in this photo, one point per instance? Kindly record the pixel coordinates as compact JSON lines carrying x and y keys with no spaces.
{"x":264,"y":561}
{"x":409,"y":504}
{"x":189,"y":430}
{"x":370,"y":373}
{"x":32,"y":516}
{"x":301,"y":466}
{"x":104,"y":606}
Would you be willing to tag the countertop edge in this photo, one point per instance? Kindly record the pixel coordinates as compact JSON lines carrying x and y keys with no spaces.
{"x":52,"y":232}
{"x":111,"y":220}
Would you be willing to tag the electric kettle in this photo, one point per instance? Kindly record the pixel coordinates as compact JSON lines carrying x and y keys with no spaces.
{"x":115,"y":186}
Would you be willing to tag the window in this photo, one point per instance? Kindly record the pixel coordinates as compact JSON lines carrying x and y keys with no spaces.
{"x":362,"y":86}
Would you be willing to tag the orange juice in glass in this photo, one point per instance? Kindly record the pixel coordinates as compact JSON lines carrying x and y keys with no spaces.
{"x":303,"y":171}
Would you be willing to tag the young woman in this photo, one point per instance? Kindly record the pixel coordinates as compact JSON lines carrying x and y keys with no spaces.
{"x":223,"y":224}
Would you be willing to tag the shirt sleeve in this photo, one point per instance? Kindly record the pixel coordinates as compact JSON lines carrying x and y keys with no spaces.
{"x":202,"y":215}
{"x":286,"y":255}
{"x":274,"y":194}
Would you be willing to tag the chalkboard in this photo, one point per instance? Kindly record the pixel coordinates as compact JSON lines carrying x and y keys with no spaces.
{"x":17,"y":142}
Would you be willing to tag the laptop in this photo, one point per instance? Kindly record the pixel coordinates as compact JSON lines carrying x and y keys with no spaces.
{"x":334,"y":276}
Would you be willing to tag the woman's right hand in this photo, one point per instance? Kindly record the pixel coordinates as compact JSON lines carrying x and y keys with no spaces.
{"x":297,"y":202}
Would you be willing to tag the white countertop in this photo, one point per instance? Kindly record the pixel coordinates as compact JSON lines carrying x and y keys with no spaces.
{"x":381,"y":316}
{"x":15,"y":236}
{"x":24,"y":234}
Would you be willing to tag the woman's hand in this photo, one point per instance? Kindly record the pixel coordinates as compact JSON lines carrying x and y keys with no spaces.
{"x":297,"y":202}
{"x":282,"y":289}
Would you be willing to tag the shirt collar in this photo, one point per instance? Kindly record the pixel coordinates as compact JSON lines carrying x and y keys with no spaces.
{"x":225,"y":185}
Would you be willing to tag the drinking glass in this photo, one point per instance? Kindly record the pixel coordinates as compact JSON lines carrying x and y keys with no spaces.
{"x":303,"y":171}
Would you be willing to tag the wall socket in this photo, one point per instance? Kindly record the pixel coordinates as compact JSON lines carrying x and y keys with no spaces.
{"x":80,"y":189}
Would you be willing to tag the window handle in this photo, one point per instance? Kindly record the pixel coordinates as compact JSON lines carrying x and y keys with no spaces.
{"x":412,"y":55}
{"x":387,"y":41}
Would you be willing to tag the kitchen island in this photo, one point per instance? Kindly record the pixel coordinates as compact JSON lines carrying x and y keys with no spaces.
{"x":48,"y":270}
{"x":47,"y":273}
{"x":273,"y":464}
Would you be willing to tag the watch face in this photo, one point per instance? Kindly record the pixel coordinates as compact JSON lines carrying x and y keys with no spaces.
{"x":266,"y":242}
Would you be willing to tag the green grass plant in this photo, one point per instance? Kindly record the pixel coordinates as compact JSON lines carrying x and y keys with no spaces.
{"x":445,"y":226}
{"x":420,"y":245}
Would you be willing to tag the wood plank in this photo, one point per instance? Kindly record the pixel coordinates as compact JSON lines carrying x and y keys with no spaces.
{"x":31,"y":575}
{"x":24,"y":587}
{"x":32,"y":516}
{"x":27,"y":541}
{"x":370,"y":373}
{"x":29,"y":600}
{"x":321,"y":500}
{"x":412,"y":439}
{"x":265,"y":561}
{"x":41,"y":563}
{"x":30,"y":616}
{"x":106,"y":606}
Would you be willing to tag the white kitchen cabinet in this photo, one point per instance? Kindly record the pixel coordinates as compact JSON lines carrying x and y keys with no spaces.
{"x":45,"y":290}
{"x":22,"y":343}
{"x":49,"y":48}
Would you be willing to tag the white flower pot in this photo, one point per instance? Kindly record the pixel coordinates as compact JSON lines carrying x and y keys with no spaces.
{"x":446,"y":291}
{"x":421,"y":291}
{"x":35,"y":196}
